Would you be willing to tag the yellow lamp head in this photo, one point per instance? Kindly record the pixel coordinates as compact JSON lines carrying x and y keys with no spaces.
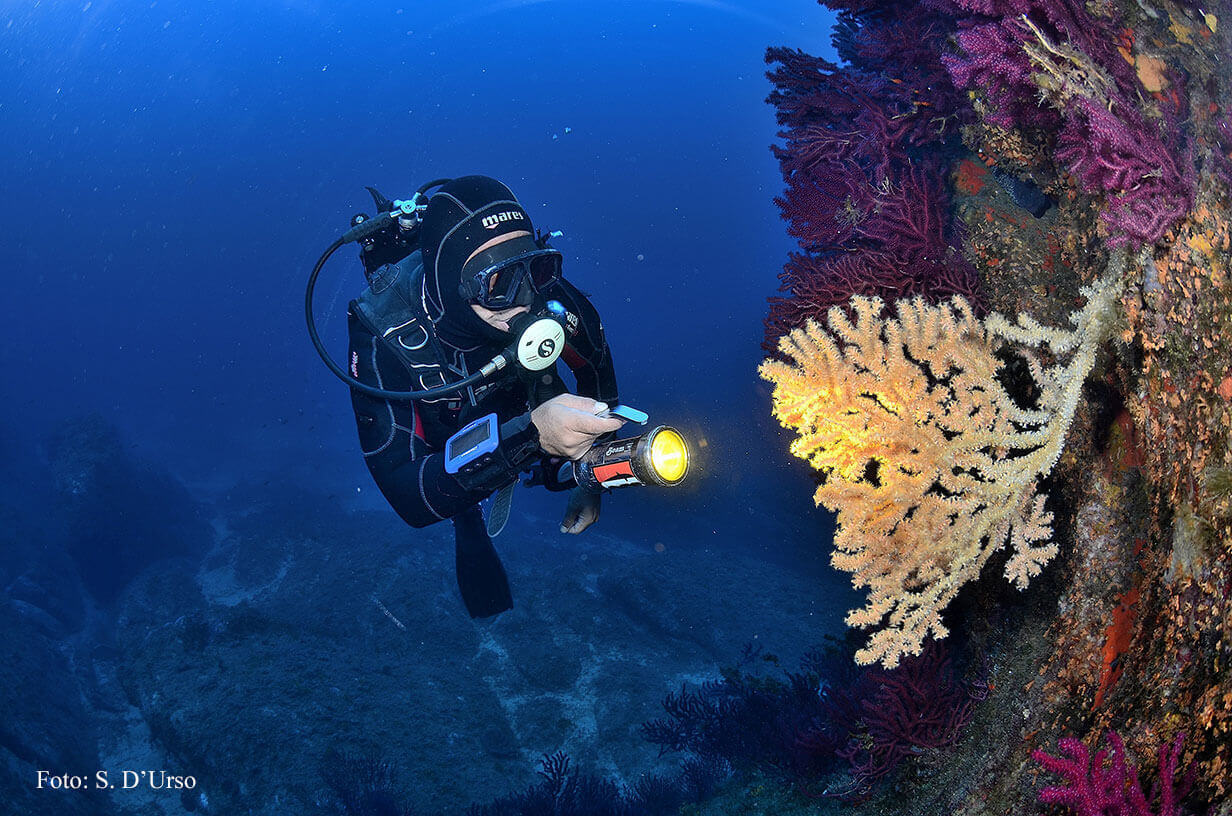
{"x":669,"y":455}
{"x":659,"y":457}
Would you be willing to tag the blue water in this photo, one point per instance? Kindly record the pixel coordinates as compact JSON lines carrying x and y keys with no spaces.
{"x":171,"y":170}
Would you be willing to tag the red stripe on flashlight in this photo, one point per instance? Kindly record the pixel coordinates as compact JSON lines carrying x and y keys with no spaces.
{"x":605,"y":472}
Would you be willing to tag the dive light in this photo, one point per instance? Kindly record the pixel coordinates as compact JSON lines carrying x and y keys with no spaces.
{"x":659,"y":457}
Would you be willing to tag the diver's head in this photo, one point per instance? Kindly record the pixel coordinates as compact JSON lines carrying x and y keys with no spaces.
{"x":482,"y":265}
{"x":499,"y":313}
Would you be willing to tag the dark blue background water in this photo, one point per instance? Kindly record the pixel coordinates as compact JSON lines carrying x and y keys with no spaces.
{"x":172,"y":169}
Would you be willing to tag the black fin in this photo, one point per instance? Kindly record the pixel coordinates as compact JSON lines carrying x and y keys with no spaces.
{"x":383,"y":204}
{"x":498,"y":510}
{"x":481,"y":575}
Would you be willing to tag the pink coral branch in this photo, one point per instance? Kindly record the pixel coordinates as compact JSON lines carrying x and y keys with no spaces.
{"x":1149,"y":185}
{"x":1107,"y":785}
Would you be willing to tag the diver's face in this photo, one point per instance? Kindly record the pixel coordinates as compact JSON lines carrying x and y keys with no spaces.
{"x":498,"y":319}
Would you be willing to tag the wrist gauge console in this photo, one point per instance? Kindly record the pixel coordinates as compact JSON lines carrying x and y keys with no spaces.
{"x":471,"y":448}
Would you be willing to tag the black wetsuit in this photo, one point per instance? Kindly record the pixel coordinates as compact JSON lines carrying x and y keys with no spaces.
{"x":403,"y":442}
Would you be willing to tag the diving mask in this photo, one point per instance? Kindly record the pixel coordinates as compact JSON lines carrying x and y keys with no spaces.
{"x":501,"y":283}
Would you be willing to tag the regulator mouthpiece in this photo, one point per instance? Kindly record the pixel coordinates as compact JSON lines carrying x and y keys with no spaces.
{"x":659,"y":457}
{"x":540,"y":344}
{"x":540,"y":339}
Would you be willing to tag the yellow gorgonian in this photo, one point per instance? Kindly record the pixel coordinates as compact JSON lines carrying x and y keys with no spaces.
{"x":930,"y":464}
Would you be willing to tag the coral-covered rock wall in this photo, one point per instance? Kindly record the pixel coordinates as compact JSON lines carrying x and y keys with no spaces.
{"x":1056,"y":173}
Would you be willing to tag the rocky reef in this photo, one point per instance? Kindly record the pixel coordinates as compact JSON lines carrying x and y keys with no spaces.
{"x":1065,"y":158}
{"x":293,"y":653}
{"x":338,"y":642}
{"x":80,"y":519}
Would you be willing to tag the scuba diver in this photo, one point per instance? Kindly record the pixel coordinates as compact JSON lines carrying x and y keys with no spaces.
{"x":476,"y":274}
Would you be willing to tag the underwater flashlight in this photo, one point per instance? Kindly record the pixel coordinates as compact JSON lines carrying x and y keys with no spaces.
{"x":659,"y":457}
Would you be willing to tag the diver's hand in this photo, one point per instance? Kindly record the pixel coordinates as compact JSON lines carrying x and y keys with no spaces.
{"x":582,"y":511}
{"x":568,"y":425}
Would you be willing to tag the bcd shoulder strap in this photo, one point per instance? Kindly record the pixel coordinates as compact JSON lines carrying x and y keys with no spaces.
{"x":392,"y":310}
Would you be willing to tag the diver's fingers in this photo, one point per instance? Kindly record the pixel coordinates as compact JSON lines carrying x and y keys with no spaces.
{"x":581,"y":512}
{"x":565,"y":444}
{"x":580,"y":403}
{"x":579,"y":523}
{"x":573,"y":512}
{"x":576,"y":443}
{"x":590,"y":408}
{"x":585,"y":521}
{"x":578,"y":446}
{"x":568,"y":424}
{"x":588,"y":423}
